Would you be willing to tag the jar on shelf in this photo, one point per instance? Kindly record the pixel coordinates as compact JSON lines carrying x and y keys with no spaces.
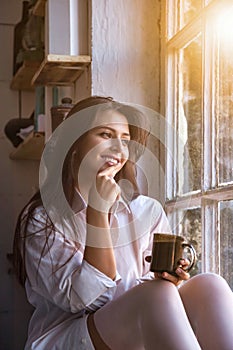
{"x":58,"y":113}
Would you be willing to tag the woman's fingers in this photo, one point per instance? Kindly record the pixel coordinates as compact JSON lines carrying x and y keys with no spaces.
{"x":184,"y":263}
{"x":109,"y":171}
{"x":182,"y":274}
{"x":107,"y":187}
{"x":104,"y":192}
{"x":175,"y":279}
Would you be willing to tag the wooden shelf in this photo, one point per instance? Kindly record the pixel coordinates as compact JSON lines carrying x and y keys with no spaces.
{"x":60,"y":69}
{"x":23,"y":77}
{"x":31,"y":148}
{"x":54,"y":70}
{"x":39,"y":8}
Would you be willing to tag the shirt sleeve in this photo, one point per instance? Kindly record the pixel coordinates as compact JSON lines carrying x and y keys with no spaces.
{"x":160,"y":223}
{"x":93,"y":287}
{"x":60,"y":274}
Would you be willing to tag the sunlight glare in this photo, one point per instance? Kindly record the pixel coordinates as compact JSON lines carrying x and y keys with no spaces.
{"x":224,"y":27}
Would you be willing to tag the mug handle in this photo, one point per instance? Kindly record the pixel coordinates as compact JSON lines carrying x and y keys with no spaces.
{"x":193,"y":255}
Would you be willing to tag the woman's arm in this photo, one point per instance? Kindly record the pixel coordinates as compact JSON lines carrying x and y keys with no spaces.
{"x":99,"y":251}
{"x":57,"y":271}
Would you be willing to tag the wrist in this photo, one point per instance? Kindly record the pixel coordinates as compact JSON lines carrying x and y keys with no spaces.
{"x":97,"y":218}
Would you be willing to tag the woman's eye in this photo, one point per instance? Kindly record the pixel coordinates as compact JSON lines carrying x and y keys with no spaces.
{"x":106,"y":135}
{"x":125,"y":142}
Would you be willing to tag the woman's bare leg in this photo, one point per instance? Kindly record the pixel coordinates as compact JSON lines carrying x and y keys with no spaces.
{"x":208,"y":301}
{"x":148,"y":316}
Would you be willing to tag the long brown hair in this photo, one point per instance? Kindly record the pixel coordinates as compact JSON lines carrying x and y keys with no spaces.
{"x":138,"y":128}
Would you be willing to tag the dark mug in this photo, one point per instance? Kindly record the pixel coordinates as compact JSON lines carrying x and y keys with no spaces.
{"x":167,"y":251}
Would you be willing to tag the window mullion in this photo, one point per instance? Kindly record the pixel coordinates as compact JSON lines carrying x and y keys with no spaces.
{"x":209,"y":159}
{"x":171,"y":181}
{"x":210,"y":246}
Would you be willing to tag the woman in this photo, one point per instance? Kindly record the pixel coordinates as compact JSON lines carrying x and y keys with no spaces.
{"x":84,"y":268}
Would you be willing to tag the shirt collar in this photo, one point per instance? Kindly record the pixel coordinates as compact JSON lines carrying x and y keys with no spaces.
{"x":79,"y":204}
{"x":120,"y":205}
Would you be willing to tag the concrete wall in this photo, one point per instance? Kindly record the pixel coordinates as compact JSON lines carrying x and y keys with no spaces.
{"x":126,"y":50}
{"x":125,"y":65}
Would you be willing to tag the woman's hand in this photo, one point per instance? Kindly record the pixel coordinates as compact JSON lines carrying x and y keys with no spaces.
{"x":104,"y":192}
{"x":182,"y":275}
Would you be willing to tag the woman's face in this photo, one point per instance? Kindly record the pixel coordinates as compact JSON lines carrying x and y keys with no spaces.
{"x":104,"y":146}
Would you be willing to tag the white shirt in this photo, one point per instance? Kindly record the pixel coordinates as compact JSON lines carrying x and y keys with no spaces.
{"x":63,"y":291}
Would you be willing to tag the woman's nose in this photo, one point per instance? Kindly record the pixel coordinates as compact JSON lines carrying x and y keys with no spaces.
{"x":116,"y":145}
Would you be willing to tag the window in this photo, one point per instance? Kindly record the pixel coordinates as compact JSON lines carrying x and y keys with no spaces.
{"x":199,"y":107}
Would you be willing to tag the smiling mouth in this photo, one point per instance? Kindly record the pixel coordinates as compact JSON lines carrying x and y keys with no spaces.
{"x":111,"y":161}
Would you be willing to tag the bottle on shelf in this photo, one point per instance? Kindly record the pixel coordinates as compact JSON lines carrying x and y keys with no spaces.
{"x":58,"y":113}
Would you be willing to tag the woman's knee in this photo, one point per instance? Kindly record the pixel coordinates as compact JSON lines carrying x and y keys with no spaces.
{"x":144,"y":297}
{"x":157,"y":292}
{"x":204,"y":285}
{"x":158,"y":285}
{"x":209,"y":280}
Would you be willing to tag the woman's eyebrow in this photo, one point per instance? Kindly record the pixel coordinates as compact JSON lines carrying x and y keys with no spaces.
{"x":111,"y":129}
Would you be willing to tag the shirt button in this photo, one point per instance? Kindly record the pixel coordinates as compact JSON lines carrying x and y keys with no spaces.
{"x":83,"y":340}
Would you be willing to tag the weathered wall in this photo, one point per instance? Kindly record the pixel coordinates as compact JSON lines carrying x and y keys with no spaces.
{"x":126,"y":50}
{"x":18,"y":182}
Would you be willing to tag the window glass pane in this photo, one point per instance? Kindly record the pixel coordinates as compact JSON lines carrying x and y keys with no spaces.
{"x":190,"y":227}
{"x":181,"y":12}
{"x":189,"y":118}
{"x":188,"y":9}
{"x":171,"y":17}
{"x":226,"y":241}
{"x":224,"y":98}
